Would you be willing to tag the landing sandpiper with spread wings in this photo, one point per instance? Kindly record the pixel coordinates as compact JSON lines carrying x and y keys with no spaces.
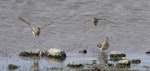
{"x":95,"y":20}
{"x":35,"y":30}
{"x":104,"y":44}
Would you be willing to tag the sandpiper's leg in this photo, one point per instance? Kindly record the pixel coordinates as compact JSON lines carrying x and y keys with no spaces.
{"x":34,"y":41}
{"x":101,"y":51}
{"x":38,"y":41}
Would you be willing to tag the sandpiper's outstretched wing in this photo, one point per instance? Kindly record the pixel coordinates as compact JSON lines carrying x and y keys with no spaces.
{"x":87,"y":21}
{"x":45,"y":25}
{"x":27,"y":22}
{"x":101,"y":19}
{"x":106,"y":20}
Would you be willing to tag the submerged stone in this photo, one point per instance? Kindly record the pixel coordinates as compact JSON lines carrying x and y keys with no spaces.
{"x":83,"y":51}
{"x":74,"y":64}
{"x":54,"y":52}
{"x":110,"y":65}
{"x":12,"y":67}
{"x":135,"y":61}
{"x":148,"y":52}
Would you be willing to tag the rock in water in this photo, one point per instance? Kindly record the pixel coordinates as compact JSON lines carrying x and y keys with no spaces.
{"x":148,"y":52}
{"x":12,"y":67}
{"x":83,"y":51}
{"x":54,"y":52}
{"x":135,"y":61}
{"x":123,"y":63}
{"x":24,"y":53}
{"x":74,"y":64}
{"x":116,"y":55}
{"x":36,"y":52}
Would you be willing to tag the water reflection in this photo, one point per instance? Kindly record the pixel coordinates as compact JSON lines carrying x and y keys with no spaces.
{"x":103,"y":58}
{"x":103,"y":62}
{"x":55,"y":60}
{"x":35,"y":64}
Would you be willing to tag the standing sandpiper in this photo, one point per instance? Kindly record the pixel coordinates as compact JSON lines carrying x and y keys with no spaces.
{"x":35,"y":30}
{"x":103,"y":45}
{"x":95,"y":20}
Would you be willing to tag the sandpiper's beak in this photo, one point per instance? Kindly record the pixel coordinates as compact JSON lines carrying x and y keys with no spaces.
{"x":97,"y":45}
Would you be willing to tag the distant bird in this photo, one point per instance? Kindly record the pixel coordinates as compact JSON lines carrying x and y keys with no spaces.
{"x":35,"y":30}
{"x":95,"y":20}
{"x":104,"y":44}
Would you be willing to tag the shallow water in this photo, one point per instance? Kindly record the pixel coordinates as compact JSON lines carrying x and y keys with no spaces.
{"x":129,"y":33}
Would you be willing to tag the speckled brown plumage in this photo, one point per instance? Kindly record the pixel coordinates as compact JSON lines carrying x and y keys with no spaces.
{"x":104,"y":44}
